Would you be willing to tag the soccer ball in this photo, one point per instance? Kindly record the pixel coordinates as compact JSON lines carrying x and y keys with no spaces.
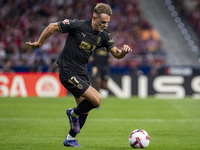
{"x":139,"y":139}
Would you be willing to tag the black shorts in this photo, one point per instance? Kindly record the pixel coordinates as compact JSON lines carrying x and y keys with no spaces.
{"x":101,"y":71}
{"x":77,"y":85}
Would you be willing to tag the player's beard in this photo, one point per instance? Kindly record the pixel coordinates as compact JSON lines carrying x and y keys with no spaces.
{"x":101,"y":29}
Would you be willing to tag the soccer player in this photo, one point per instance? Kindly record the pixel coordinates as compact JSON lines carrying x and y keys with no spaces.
{"x":84,"y":36}
{"x":100,"y":68}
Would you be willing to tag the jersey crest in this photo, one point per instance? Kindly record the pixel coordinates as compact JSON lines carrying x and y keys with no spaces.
{"x":98,"y":40}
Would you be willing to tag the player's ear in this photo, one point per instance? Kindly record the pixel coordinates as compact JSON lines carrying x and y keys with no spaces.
{"x":93,"y":17}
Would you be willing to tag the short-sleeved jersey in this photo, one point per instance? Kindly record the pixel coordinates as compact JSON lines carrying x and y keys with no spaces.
{"x":81,"y":41}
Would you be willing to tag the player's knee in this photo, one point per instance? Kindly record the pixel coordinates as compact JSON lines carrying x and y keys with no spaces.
{"x":97,"y":101}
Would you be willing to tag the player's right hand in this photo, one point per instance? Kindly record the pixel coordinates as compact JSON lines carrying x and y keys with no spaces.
{"x":34,"y":45}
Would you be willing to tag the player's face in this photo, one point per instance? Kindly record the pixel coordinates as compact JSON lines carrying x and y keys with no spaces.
{"x":101,"y":22}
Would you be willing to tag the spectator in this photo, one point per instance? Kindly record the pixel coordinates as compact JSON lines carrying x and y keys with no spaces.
{"x":7,"y":67}
{"x":2,"y":53}
{"x":19,"y":18}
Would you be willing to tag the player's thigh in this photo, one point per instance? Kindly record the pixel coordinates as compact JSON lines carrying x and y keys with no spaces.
{"x":105,"y":73}
{"x":104,"y":85}
{"x":93,"y":96}
{"x":97,"y":81}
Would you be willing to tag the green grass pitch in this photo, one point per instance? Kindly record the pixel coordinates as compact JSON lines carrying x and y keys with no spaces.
{"x":41,"y":123}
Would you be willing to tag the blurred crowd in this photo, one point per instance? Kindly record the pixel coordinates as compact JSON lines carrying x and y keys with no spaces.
{"x":189,"y":10}
{"x":24,"y":20}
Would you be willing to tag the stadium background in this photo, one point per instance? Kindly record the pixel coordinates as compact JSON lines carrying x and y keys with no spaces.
{"x":165,"y":66}
{"x":164,"y":36}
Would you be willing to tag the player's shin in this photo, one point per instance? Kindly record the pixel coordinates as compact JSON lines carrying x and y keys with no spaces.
{"x":84,"y":107}
{"x":82,"y":119}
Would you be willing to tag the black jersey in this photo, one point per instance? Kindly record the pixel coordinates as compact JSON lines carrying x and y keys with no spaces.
{"x":81,"y":41}
{"x":101,"y":57}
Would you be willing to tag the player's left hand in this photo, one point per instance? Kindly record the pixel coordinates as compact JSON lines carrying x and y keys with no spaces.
{"x":34,"y":45}
{"x":126,"y":49}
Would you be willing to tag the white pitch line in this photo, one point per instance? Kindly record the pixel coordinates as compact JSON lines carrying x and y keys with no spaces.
{"x":144,"y":120}
{"x":126,"y":120}
{"x":105,"y":119}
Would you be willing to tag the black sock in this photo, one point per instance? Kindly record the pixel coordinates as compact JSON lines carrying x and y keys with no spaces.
{"x":82,"y":119}
{"x":83,"y":107}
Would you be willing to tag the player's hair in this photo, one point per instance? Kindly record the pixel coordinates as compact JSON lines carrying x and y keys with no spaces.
{"x":102,"y":8}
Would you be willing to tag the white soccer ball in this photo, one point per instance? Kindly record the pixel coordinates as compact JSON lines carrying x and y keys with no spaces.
{"x":139,"y":139}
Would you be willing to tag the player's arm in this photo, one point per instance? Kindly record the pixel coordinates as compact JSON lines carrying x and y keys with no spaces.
{"x":48,"y":31}
{"x":120,"y":53}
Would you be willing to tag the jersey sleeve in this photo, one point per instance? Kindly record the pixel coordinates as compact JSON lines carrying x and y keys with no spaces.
{"x":68,"y":25}
{"x":108,"y":41}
